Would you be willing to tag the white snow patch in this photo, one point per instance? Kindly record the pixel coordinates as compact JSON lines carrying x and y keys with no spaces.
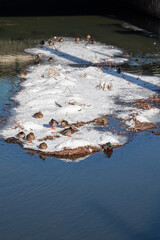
{"x":72,"y":81}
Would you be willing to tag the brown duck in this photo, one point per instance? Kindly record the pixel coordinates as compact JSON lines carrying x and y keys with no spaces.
{"x":21,"y":135}
{"x":43,"y":145}
{"x":64,"y":123}
{"x":30,"y":137}
{"x":88,"y":37}
{"x":53,"y":123}
{"x":67,"y":132}
{"x":38,"y":115}
{"x":55,"y":38}
{"x":50,"y":59}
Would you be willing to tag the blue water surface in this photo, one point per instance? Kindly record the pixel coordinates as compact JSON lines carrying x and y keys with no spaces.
{"x":114,"y":198}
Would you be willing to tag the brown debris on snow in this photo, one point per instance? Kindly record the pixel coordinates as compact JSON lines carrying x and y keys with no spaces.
{"x":80,"y":124}
{"x":142,"y":126}
{"x":65,"y":153}
{"x":68,"y":153}
{"x":147,"y":103}
{"x":13,"y":140}
{"x":139,"y":126}
{"x":101,"y":121}
{"x":46,"y":138}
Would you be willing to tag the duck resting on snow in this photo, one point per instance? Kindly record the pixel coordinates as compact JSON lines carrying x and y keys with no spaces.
{"x":67,"y":132}
{"x":53,"y":123}
{"x":30,"y":137}
{"x":21,"y":135}
{"x":64,"y":123}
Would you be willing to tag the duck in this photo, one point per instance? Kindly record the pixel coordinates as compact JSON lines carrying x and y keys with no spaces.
{"x":88,"y":37}
{"x":55,"y":38}
{"x":64,"y":123}
{"x":23,"y":74}
{"x":91,"y":41}
{"x":21,"y":135}
{"x":50,"y":59}
{"x":42,"y":42}
{"x":118,"y":70}
{"x":43,"y":145}
{"x":50,"y":42}
{"x":60,"y":40}
{"x":107,"y":147}
{"x":53,"y":123}
{"x":77,"y":39}
{"x":67,"y":132}
{"x":30,"y":137}
{"x":38,"y":115}
{"x":138,"y":60}
{"x":39,"y":55}
{"x":38,"y":58}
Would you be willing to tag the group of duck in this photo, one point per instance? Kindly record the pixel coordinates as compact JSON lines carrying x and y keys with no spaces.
{"x":52,"y":41}
{"x":77,"y":39}
{"x":68,"y":129}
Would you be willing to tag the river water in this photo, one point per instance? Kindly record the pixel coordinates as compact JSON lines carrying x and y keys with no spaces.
{"x":114,"y":198}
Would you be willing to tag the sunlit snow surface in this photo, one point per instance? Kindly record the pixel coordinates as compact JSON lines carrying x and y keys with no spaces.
{"x":78,"y":80}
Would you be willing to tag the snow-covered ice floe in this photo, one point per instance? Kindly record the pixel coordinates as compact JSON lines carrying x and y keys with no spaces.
{"x":77,"y":86}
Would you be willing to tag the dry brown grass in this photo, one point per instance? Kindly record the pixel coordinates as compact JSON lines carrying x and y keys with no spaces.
{"x":51,"y":73}
{"x":69,"y":153}
{"x":147,"y":103}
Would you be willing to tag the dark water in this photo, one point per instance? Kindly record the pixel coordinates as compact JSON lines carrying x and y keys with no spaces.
{"x":113,"y":198}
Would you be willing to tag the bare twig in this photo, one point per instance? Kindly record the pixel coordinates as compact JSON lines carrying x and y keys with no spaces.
{"x":18,"y":124}
{"x":58,"y":105}
{"x":68,"y":89}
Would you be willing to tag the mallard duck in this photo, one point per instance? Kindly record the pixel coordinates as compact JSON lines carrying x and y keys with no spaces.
{"x":38,"y":58}
{"x":23,"y":74}
{"x":60,"y":40}
{"x":64,"y":123}
{"x":91,"y":41}
{"x":118,"y":70}
{"x":53,"y":123}
{"x":67,"y":132}
{"x":50,"y":42}
{"x":42,"y":42}
{"x":50,"y":59}
{"x":77,"y":39}
{"x":55,"y":38}
{"x":39,"y":55}
{"x":43,"y":145}
{"x":30,"y":137}
{"x":107,"y":147}
{"x":38,"y":115}
{"x":137,"y":59}
{"x":21,"y":135}
{"x":88,"y":37}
